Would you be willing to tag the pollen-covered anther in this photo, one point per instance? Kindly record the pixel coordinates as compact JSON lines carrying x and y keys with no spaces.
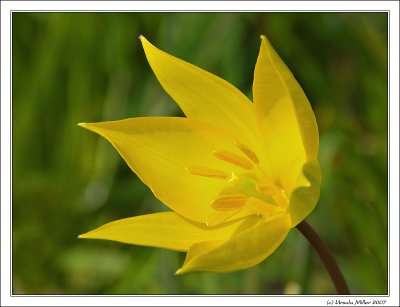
{"x":233,"y":159}
{"x":266,"y":189}
{"x":229,"y":202}
{"x":206,"y":172}
{"x":248,"y":152}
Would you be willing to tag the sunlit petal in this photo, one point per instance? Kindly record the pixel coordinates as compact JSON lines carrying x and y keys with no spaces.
{"x":285,"y":115}
{"x":165,"y":230}
{"x":254,"y":241}
{"x":203,"y":95}
{"x":174,"y":157}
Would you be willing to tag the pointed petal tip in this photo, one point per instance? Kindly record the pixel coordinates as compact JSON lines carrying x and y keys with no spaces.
{"x":264,"y":40}
{"x":87,"y":126}
{"x":143,"y":39}
{"x":85,"y":236}
{"x":181,"y":271}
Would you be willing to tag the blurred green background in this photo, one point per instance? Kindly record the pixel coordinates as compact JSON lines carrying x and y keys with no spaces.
{"x":81,"y":67}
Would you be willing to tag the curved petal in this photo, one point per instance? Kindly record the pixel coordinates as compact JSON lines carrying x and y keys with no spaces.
{"x":254,"y":241}
{"x":285,"y":115}
{"x":175,"y":158}
{"x":203,"y":95}
{"x":304,"y":198}
{"x":165,"y":230}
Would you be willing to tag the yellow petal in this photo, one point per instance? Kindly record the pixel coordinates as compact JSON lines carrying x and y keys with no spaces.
{"x":203,"y":95}
{"x":304,"y":198}
{"x":165,"y":230}
{"x":219,"y":217}
{"x":263,"y":207}
{"x":174,"y":157}
{"x":285,"y":115}
{"x":255,"y":240}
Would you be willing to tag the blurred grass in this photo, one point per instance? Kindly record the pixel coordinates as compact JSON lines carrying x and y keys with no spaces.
{"x":81,"y":67}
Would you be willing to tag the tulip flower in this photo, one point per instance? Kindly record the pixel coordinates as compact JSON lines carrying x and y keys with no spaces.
{"x":237,"y":175}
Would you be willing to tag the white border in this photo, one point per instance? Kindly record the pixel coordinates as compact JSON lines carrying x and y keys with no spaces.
{"x":394,"y":153}
{"x":8,"y":6}
{"x":199,"y":5}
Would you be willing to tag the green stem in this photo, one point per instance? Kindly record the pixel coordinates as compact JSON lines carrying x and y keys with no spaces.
{"x":326,"y":256}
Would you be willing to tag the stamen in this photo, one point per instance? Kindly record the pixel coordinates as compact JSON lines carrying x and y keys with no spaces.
{"x":248,"y":152}
{"x":278,"y":194}
{"x":266,"y":189}
{"x":233,"y":158}
{"x":229,"y":202}
{"x":206,"y":172}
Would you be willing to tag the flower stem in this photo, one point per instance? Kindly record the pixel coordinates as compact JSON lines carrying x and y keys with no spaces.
{"x":326,"y":256}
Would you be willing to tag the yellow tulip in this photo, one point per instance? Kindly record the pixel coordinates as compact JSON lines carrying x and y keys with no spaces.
{"x":237,"y":175}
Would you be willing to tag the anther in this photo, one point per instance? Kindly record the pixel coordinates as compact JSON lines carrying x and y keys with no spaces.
{"x":229,"y":202}
{"x":248,"y":152}
{"x":206,"y":172}
{"x":266,"y":189}
{"x":233,"y":159}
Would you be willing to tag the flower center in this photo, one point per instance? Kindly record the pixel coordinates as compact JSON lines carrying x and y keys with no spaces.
{"x":245,"y":186}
